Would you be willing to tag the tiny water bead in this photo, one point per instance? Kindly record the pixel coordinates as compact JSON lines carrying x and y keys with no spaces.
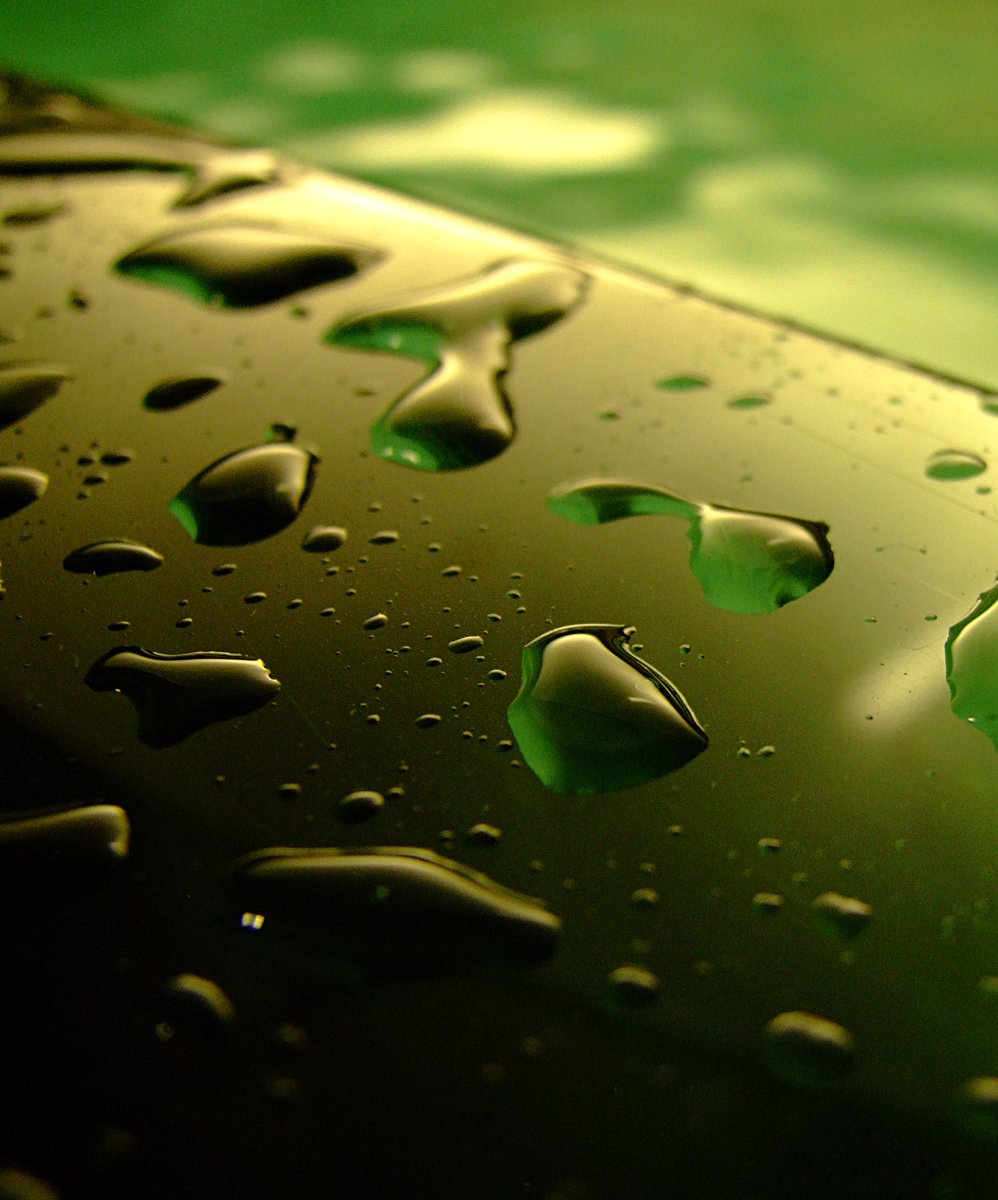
{"x":176,"y":392}
{"x":74,"y":838}
{"x":972,"y":665}
{"x":844,"y":916}
{"x":950,"y":465}
{"x":401,"y":903}
{"x":242,"y":264}
{"x":26,"y":386}
{"x":112,"y":557}
{"x":591,"y":716}
{"x":246,"y":496}
{"x":322,"y":538}
{"x":459,"y":414}
{"x":175,"y":695}
{"x":19,"y":487}
{"x":808,"y":1050}
{"x":746,"y":562}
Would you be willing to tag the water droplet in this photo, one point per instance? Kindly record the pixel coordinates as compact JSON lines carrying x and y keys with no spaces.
{"x":228,"y":171}
{"x":19,"y":487}
{"x":255,"y":598}
{"x":359,"y":806}
{"x":743,"y":402}
{"x":842,"y":915}
{"x":117,"y":458}
{"x":26,"y":386}
{"x":67,"y":841}
{"x":398,"y":906}
{"x":954,"y":464}
{"x":33,"y":214}
{"x":459,"y":415}
{"x":181,"y":390}
{"x":972,"y":665}
{"x":111,"y":557}
{"x":384,"y":537}
{"x":427,"y":720}
{"x":804,"y":1049}
{"x":321,"y":538}
{"x":223,"y":569}
{"x":644,"y":897}
{"x":682,"y":383}
{"x":198,"y":1006}
{"x":483,"y":834}
{"x":977,"y":1105}
{"x":768,"y":902}
{"x":378,"y":621}
{"x":240,"y":264}
{"x":175,"y":695}
{"x":769,"y":845}
{"x":746,"y":562}
{"x":634,"y":985}
{"x":464,"y":645}
{"x":593,"y":717}
{"x":246,"y":496}
{"x":497,"y":674}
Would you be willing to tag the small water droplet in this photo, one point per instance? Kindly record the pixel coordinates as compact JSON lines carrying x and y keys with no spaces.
{"x":26,"y":386}
{"x":954,"y":464}
{"x":808,"y":1050}
{"x":644,"y":897}
{"x":769,"y":902}
{"x":224,"y":569}
{"x":321,"y":538}
{"x":593,"y":717}
{"x":242,"y":264}
{"x":972,"y":665}
{"x":378,"y":621}
{"x":464,"y":645}
{"x":633,"y":985}
{"x":117,"y":458}
{"x":459,"y":415}
{"x":496,"y":674}
{"x":682,"y":383}
{"x":111,"y":557}
{"x":428,"y":720}
{"x":246,"y":496}
{"x":396,"y":907}
{"x":751,"y":401}
{"x":19,"y":487}
{"x":746,"y":562}
{"x":176,"y":392}
{"x":977,"y":1105}
{"x":842,"y":915}
{"x":359,"y":806}
{"x":384,"y":537}
{"x":769,"y":845}
{"x":198,"y":1006}
{"x":254,"y":598}
{"x":175,"y":695}
{"x":483,"y":834}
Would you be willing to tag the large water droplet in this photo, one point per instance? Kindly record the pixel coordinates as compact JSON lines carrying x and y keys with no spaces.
{"x":321,"y":538}
{"x":26,"y":386}
{"x":401,"y":907}
{"x":111,"y":557}
{"x":175,"y":393}
{"x":78,"y":838}
{"x":246,"y":496}
{"x":593,"y":717}
{"x":459,"y":414}
{"x":240,"y":264}
{"x":175,"y":695}
{"x":19,"y":487}
{"x":807,"y":1050}
{"x":972,"y":665}
{"x":954,"y":464}
{"x":746,"y":562}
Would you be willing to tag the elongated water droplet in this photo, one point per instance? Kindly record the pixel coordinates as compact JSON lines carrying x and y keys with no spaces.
{"x":459,"y":415}
{"x":593,"y":717}
{"x":33,"y":214}
{"x":229,"y":171}
{"x":241,"y":264}
{"x":746,"y":562}
{"x":19,"y":487}
{"x":175,"y":695}
{"x":634,"y":986}
{"x":175,"y":393}
{"x":807,"y":1050}
{"x":246,"y":496}
{"x":752,"y":401}
{"x":972,"y":665}
{"x":682,"y":383}
{"x":402,"y":906}
{"x":321,"y":538}
{"x":197,"y":1005}
{"x":26,"y":386}
{"x":111,"y":557}
{"x":464,"y":645}
{"x":842,"y":915}
{"x":954,"y":464}
{"x":63,"y":841}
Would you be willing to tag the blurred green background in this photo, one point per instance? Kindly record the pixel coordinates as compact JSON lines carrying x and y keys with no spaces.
{"x":833,"y":163}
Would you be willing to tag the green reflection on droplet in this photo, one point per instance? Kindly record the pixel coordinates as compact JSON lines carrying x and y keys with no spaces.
{"x":746,"y":562}
{"x":593,"y":717}
{"x":742,"y":402}
{"x":409,"y":338}
{"x":952,"y":465}
{"x":972,"y":665}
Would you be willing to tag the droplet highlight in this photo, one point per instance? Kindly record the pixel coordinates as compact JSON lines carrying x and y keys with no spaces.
{"x":951,"y":465}
{"x":591,"y":716}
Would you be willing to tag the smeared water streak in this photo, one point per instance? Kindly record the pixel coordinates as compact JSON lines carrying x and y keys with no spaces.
{"x":459,"y":415}
{"x":591,"y":716}
{"x":746,"y":562}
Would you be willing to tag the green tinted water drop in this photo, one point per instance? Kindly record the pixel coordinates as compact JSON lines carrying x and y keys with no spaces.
{"x":746,"y":562}
{"x":241,"y":264}
{"x":972,"y":665}
{"x":952,"y":465}
{"x":682,"y":383}
{"x":593,"y":717}
{"x":459,"y":415}
{"x":754,"y":401}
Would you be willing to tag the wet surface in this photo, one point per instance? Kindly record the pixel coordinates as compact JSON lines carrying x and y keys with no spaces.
{"x":766,"y":960}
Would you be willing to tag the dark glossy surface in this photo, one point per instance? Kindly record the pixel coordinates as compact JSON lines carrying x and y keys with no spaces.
{"x":642,"y":1056}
